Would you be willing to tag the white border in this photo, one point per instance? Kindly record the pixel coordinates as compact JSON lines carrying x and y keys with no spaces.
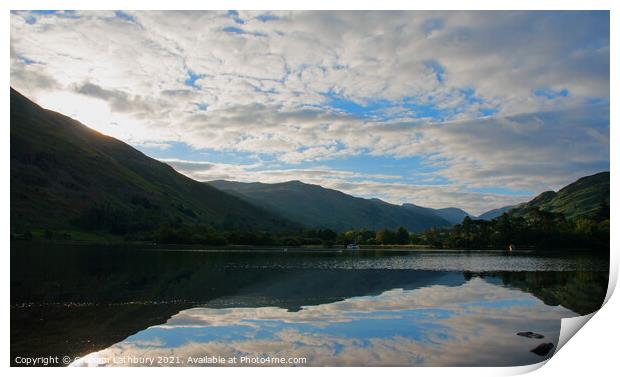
{"x":592,"y":352}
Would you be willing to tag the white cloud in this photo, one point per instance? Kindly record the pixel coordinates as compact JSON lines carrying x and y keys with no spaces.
{"x":473,"y":324}
{"x":259,"y":87}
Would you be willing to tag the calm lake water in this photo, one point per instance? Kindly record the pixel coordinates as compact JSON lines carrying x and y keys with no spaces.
{"x":113,"y":306}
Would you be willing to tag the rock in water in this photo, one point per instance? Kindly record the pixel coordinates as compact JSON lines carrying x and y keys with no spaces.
{"x":529,"y":334}
{"x":542,"y":349}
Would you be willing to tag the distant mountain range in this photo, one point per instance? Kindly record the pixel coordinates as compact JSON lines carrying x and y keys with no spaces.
{"x":316,"y":206}
{"x":65,"y":175}
{"x":490,"y":215}
{"x":451,"y":214}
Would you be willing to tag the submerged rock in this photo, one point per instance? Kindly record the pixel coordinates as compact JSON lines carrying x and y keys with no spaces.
{"x":531,"y":335}
{"x":542,"y":349}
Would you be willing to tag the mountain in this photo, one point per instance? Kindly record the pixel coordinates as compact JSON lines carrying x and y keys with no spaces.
{"x":316,"y":206}
{"x":580,"y":198}
{"x":490,"y":215}
{"x":66,"y":176}
{"x":451,"y":215}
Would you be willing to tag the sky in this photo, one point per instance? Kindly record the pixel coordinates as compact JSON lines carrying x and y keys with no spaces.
{"x":475,"y":110}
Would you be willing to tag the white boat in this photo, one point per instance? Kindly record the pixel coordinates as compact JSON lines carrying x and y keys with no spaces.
{"x":353,"y":246}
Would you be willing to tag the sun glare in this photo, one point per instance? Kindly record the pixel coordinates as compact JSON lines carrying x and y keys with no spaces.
{"x":96,"y":114}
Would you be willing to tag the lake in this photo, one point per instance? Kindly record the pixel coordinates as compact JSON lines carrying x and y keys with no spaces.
{"x":135,"y":305}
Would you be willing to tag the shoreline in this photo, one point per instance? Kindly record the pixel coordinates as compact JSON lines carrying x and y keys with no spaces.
{"x":148,"y":246}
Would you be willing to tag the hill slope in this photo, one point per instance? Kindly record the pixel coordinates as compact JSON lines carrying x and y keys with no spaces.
{"x":580,"y":198}
{"x":65,"y":175}
{"x":451,"y":215}
{"x":490,"y":215}
{"x":316,"y":206}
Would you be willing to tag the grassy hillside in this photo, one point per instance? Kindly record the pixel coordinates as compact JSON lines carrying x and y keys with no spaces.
{"x":66,"y":176}
{"x":581,"y":198}
{"x":315,"y":206}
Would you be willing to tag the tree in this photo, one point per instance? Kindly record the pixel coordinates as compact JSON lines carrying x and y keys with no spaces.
{"x":402,"y":236}
{"x":466,"y":229}
{"x":585,"y":226}
{"x":415,"y":239}
{"x":502,"y":237}
{"x":386,"y":237}
{"x":432,"y":237}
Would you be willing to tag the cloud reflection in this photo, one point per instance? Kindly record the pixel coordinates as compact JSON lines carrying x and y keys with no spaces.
{"x":474,"y":324}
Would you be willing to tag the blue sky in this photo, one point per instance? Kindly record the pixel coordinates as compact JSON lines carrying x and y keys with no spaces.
{"x":435,"y":317}
{"x":468,"y":109}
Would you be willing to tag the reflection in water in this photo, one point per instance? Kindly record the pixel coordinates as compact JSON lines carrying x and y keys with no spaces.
{"x":397,"y":308}
{"x":473,"y":324}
